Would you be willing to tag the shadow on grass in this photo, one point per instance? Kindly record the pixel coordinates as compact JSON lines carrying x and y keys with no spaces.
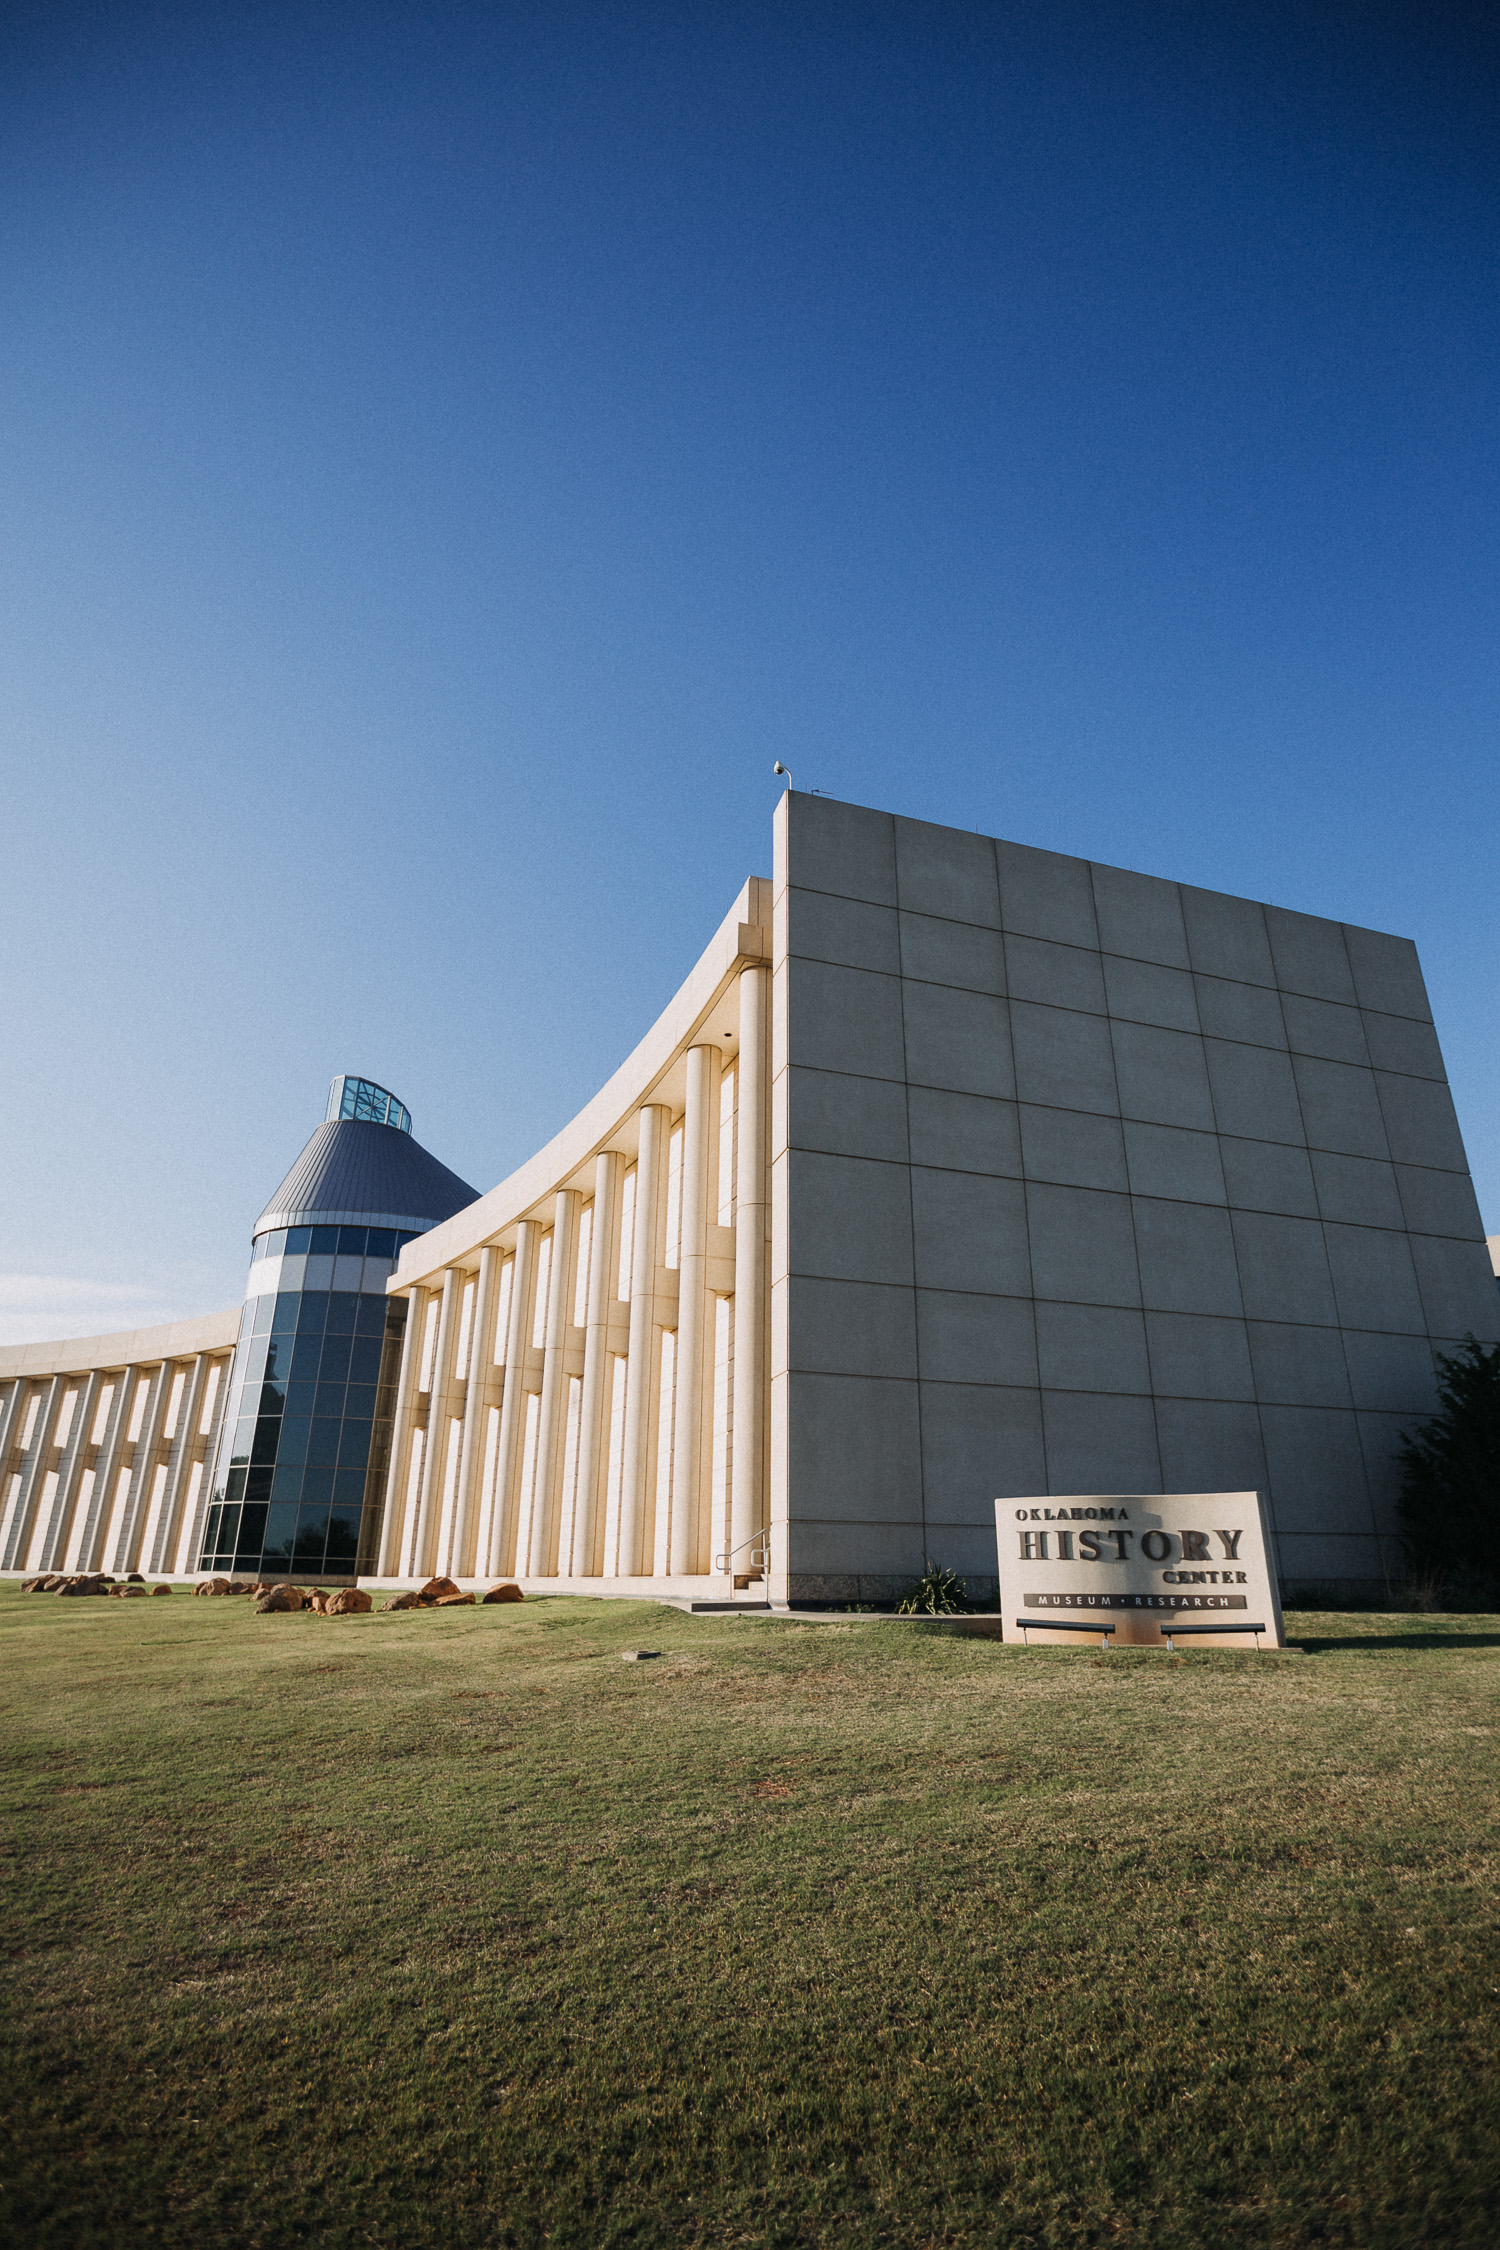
{"x":1355,"y":1644}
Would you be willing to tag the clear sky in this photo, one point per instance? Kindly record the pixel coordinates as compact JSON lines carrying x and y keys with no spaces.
{"x":448,"y":452}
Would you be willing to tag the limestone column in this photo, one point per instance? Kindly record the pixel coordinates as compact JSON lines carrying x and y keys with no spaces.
{"x":10,"y":1425}
{"x":107,"y":1469}
{"x":502,"y":1555}
{"x":143,"y":1474}
{"x":70,"y":1472}
{"x":546,"y":1508}
{"x":429,"y":1499}
{"x":478,"y":1399}
{"x":751,"y":1230}
{"x":179,"y":1467}
{"x":393,"y":1522}
{"x":593,"y":1420}
{"x":33,"y":1476}
{"x":650,"y":1198}
{"x":700,"y":1138}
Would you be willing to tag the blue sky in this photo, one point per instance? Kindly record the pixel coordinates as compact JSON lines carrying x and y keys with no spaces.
{"x":447,"y":453}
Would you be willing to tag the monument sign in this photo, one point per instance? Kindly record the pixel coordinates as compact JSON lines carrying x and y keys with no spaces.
{"x":1144,"y":1568}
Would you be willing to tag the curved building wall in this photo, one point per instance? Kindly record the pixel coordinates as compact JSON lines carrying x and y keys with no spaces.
{"x":105,"y":1443}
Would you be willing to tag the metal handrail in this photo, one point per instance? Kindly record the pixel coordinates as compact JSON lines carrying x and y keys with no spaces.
{"x":759,"y":1542}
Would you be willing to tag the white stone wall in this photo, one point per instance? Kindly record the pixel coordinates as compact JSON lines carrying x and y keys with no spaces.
{"x":1087,"y":1181}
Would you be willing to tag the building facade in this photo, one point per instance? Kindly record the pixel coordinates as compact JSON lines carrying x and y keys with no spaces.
{"x":956,"y":1170}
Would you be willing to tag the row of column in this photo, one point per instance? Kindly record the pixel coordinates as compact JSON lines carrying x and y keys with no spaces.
{"x":480,"y":1489}
{"x":150,"y":1530}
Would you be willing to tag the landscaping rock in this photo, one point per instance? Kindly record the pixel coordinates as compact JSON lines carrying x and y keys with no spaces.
{"x":453,"y":1601}
{"x":279,"y":1598}
{"x":349,"y":1601}
{"x":161,"y":1590}
{"x":86,"y":1582}
{"x":38,"y":1585}
{"x":240,"y":1586}
{"x":436,"y":1588}
{"x":213,"y":1586}
{"x":505,"y":1594}
{"x":135,"y":1579}
{"x":129,"y":1593}
{"x":406,"y":1601}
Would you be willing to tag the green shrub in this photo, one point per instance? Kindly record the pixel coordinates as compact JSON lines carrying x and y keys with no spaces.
{"x":1449,"y":1504}
{"x":937,"y":1593}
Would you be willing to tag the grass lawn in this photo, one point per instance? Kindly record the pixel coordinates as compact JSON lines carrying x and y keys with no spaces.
{"x":451,"y":1928}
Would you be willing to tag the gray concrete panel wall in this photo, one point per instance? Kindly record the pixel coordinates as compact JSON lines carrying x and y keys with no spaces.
{"x":1093,"y":1181}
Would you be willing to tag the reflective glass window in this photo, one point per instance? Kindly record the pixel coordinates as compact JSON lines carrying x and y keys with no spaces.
{"x":382,"y":1242}
{"x":295,"y":1430}
{"x":229,"y":1523}
{"x":285,"y":1316}
{"x":234,"y":1489}
{"x":312,"y":1536}
{"x":349,"y":1488}
{"x":211,"y":1530}
{"x":323,"y":1443}
{"x":364,"y":1359}
{"x":253,"y":1358}
{"x":354,"y":1445}
{"x":298,"y":1239}
{"x":258,"y":1485}
{"x":370,"y":1318}
{"x":263,"y":1309}
{"x":281,"y":1530}
{"x":335,"y":1362}
{"x":272,"y":1394}
{"x":343,"y":1535}
{"x":267,"y":1432}
{"x":325,"y":1240}
{"x":252,"y":1532}
{"x":279,"y":1356}
{"x":244,"y":1439}
{"x":300,"y":1394}
{"x":359,"y":1400}
{"x":305,"y":1358}
{"x":352,"y":1241}
{"x":330,"y":1398}
{"x":317,"y":1486}
{"x":287,"y":1490}
{"x":343,"y":1308}
{"x":313,"y":1313}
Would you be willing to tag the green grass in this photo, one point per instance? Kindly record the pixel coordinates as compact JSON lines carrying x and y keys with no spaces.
{"x":453,"y":1929}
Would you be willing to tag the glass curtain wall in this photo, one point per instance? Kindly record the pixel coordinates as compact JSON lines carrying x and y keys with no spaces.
{"x":300,"y":1476}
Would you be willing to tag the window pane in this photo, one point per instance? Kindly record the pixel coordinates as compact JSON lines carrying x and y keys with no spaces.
{"x":382,"y":1243}
{"x":343,"y":1309}
{"x":314,"y":1312}
{"x":234,"y":1490}
{"x":258,"y":1485}
{"x":349,"y":1489}
{"x":295,"y":1431}
{"x":287,"y":1490}
{"x":364,"y":1360}
{"x":267,"y":1434}
{"x":251,"y":1536}
{"x":359,"y":1400}
{"x":343,"y":1536}
{"x":371,"y":1317}
{"x":325,"y":1240}
{"x":281,"y":1529}
{"x":354,"y":1445}
{"x":317,"y":1487}
{"x":300,"y":1394}
{"x":279,"y":1356}
{"x":298,"y":1239}
{"x":323,"y":1444}
{"x":330,"y":1398}
{"x":352,"y":1241}
{"x":264,"y":1308}
{"x":285,"y":1316}
{"x":335,"y":1364}
{"x":305,"y":1358}
{"x":312,"y":1538}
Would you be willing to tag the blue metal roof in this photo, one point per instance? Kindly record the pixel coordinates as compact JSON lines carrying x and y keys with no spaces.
{"x":353,"y":1171}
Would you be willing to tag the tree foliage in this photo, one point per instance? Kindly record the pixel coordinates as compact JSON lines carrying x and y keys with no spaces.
{"x":1450,"y":1472}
